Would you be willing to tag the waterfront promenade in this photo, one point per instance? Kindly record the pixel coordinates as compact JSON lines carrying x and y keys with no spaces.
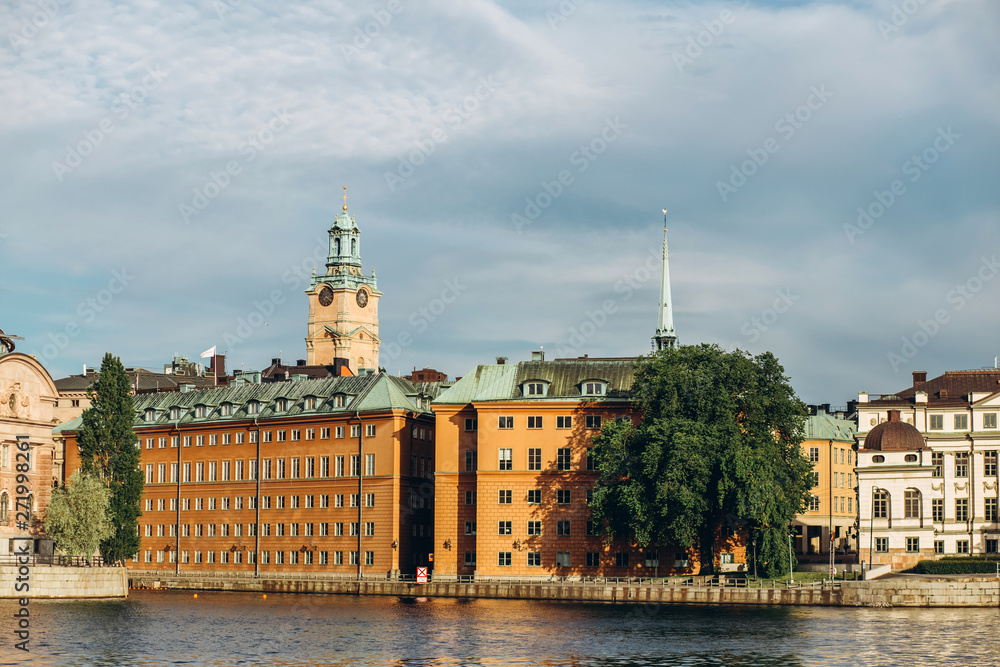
{"x":894,"y":591}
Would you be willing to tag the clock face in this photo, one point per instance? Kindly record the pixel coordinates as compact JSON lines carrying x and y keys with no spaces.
{"x":362,"y":297}
{"x":326,"y":295}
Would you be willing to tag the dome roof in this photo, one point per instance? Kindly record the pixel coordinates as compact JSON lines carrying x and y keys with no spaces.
{"x":894,"y":436}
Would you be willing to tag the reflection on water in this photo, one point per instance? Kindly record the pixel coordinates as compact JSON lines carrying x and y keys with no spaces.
{"x":172,"y":627}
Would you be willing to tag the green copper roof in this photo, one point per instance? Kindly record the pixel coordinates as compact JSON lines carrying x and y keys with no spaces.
{"x":827,"y":427}
{"x":562,"y":379}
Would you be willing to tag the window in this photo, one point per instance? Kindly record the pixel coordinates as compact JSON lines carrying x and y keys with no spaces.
{"x":534,"y":559}
{"x":338,"y":500}
{"x":653,"y":559}
{"x":470,"y":497}
{"x":814,"y":504}
{"x":267,"y":436}
{"x":593,"y":421}
{"x":534,"y":458}
{"x":338,"y":529}
{"x":369,"y":430}
{"x":961,"y":509}
{"x":534,"y":528}
{"x":911,"y":504}
{"x":534,"y":496}
{"x":814,"y":454}
{"x":962,"y":546}
{"x":563,"y":458}
{"x":354,"y":529}
{"x":503,"y":528}
{"x":355,"y":465}
{"x":961,"y":422}
{"x":369,"y":464}
{"x":324,"y":466}
{"x":471,"y":463}
{"x":471,"y":425}
{"x":937,"y":509}
{"x":990,"y":420}
{"x":470,"y":527}
{"x":593,"y":388}
{"x":726,"y":558}
{"x":910,"y":458}
{"x":505,"y":422}
{"x":815,"y":478}
{"x":593,"y":559}
{"x":505,"y":496}
{"x":470,"y":559}
{"x":505,"y":459}
{"x":912,"y":545}
{"x":503,"y":558}
{"x":534,"y":422}
{"x":621,"y":559}
{"x":562,"y":559}
{"x":880,"y":505}
{"x":878,"y":458}
{"x":882,"y":544}
{"x":937,"y":460}
{"x":990,"y":463}
{"x":355,"y":430}
{"x":962,"y":464}
{"x":564,"y":422}
{"x":991,"y":510}
{"x":939,"y":546}
{"x":992,"y":546}
{"x":563,"y":496}
{"x":563,"y":528}
{"x":369,"y":529}
{"x":369,"y":500}
{"x":310,"y":466}
{"x":937,"y":422}
{"x":339,"y":466}
{"x":354,"y":500}
{"x":534,"y":389}
{"x":850,"y":504}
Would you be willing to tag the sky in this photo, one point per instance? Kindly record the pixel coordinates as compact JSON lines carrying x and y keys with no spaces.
{"x":169,"y":171}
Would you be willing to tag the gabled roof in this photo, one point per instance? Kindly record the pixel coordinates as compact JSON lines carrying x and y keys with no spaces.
{"x":828,"y":427}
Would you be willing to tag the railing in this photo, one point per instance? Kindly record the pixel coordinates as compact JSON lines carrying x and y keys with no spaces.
{"x":62,"y":561}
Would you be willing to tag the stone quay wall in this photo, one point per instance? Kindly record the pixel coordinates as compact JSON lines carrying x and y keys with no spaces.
{"x":898,"y":592}
{"x":53,"y":581}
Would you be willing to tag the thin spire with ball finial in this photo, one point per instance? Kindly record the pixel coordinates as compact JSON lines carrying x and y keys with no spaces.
{"x":665,"y":336}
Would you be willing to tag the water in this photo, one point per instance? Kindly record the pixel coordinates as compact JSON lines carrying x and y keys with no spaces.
{"x":174,"y":628}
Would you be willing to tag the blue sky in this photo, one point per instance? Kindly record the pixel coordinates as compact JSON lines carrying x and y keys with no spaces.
{"x":170,"y":170}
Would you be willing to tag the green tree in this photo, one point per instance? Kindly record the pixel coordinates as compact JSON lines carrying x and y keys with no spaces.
{"x":717,"y":446}
{"x":78,"y":518}
{"x":108,"y":449}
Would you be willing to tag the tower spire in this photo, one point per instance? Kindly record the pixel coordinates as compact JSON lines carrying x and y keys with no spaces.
{"x":665,"y":336}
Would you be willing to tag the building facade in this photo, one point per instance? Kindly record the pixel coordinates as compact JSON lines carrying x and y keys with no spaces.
{"x":343,"y":304}
{"x":927,"y":468}
{"x":513,"y":476}
{"x":832,"y":512}
{"x":327,"y":475}
{"x":28,"y":399}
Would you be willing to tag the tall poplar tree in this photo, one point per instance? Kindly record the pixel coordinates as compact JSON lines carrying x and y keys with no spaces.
{"x":718,"y":446}
{"x":109,"y":449}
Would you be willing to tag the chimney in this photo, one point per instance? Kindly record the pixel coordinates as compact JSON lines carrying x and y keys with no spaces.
{"x":538,"y":355}
{"x":501,"y":361}
{"x":919,"y":377}
{"x":825,"y":407}
{"x":894,"y":415}
{"x":300,"y":362}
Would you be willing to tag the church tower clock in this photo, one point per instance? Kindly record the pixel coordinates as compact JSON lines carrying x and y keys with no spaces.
{"x":343,"y":304}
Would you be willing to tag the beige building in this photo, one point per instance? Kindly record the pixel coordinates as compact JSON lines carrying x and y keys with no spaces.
{"x":27,"y":402}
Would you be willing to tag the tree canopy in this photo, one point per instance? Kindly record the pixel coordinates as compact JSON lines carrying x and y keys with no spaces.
{"x":78,"y":518}
{"x":108,"y":449}
{"x":717,"y":446}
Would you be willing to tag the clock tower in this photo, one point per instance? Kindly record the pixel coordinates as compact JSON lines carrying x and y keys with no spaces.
{"x":343,"y":304}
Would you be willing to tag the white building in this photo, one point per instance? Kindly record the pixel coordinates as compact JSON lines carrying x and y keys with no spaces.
{"x":927,"y":469}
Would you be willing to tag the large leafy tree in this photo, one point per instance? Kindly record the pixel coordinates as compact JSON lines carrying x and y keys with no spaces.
{"x":717,"y":446}
{"x":78,"y":518}
{"x":108,"y":449}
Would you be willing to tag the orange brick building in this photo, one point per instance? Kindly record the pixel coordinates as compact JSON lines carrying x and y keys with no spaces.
{"x":331,"y":475}
{"x":513,"y":477}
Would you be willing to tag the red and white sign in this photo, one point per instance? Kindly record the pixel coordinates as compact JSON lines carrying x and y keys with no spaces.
{"x":421,"y":575}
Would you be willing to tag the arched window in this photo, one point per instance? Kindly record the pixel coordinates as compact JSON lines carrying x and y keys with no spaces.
{"x":880,"y":505}
{"x":911,"y":504}
{"x":354,"y":247}
{"x":4,"y":508}
{"x":336,"y":246}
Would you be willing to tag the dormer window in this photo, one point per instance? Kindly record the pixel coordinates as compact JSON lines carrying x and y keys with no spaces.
{"x":309,"y":403}
{"x":535,"y":389}
{"x":339,"y":400}
{"x":175,"y":413}
{"x":150,"y":415}
{"x":253,"y":407}
{"x":593,"y":388}
{"x":280,"y":405}
{"x":199,"y":411}
{"x":227,"y":409}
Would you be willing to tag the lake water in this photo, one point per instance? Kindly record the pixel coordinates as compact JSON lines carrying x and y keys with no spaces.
{"x":174,"y":628}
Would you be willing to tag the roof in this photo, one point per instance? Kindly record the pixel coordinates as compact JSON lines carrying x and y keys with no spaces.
{"x":956,"y":385}
{"x":140,"y":378}
{"x":894,"y":436}
{"x":828,"y":427}
{"x":503,"y":382}
{"x":361,"y":394}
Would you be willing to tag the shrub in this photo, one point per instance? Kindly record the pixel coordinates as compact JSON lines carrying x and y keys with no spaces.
{"x":956,"y":566}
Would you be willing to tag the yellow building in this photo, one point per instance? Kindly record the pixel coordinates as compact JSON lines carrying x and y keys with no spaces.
{"x":833,"y":511}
